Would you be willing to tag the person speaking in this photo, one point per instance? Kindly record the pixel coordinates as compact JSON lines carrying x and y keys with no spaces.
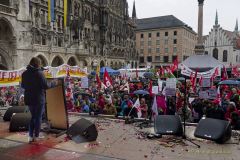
{"x":35,"y":84}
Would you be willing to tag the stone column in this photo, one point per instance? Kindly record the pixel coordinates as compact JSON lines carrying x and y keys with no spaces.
{"x":200,"y":21}
{"x":199,"y":48}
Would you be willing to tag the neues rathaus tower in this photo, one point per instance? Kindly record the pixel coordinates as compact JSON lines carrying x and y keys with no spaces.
{"x":98,"y":32}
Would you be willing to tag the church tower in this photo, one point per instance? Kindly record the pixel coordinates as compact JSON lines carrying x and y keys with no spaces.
{"x":134,"y":14}
{"x":236,"y":27}
{"x":216,"y":19}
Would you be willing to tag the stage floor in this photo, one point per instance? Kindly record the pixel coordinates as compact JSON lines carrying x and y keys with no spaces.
{"x":116,"y":140}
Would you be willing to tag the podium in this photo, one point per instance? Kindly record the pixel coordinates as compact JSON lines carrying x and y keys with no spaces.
{"x":56,"y":111}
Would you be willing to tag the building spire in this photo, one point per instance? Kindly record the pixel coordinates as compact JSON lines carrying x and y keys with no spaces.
{"x":134,"y":14}
{"x":216,"y":18}
{"x":236,"y":27}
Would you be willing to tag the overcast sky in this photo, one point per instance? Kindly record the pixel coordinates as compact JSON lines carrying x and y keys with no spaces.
{"x":187,"y":11}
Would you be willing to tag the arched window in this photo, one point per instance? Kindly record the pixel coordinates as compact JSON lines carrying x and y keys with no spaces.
{"x":57,"y":61}
{"x":225,"y":56}
{"x":43,"y":60}
{"x":215,"y":53}
{"x":72,"y":61}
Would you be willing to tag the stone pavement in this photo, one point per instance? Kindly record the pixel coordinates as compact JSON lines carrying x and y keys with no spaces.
{"x":116,"y":140}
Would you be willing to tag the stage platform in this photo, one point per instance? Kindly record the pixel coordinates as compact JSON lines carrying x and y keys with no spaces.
{"x":116,"y":140}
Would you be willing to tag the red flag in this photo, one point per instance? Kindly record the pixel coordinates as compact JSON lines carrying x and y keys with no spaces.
{"x":193,"y":78}
{"x":162,"y":71}
{"x":175,"y":62}
{"x":150,"y":88}
{"x":175,"y":65}
{"x":224,"y":75}
{"x":107,"y":80}
{"x":200,"y":81}
{"x":216,"y":73}
{"x":98,"y":81}
{"x":235,"y":71}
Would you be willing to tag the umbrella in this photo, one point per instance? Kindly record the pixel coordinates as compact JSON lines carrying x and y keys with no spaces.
{"x":229,"y":82}
{"x":148,"y":75}
{"x":93,"y":73}
{"x":109,"y":70}
{"x":143,"y":92}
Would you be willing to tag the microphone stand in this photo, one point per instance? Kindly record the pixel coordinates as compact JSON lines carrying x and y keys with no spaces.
{"x":184,"y":115}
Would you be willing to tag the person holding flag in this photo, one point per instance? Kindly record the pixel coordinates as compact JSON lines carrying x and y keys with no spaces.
{"x":106,"y":79}
{"x":127,"y":107}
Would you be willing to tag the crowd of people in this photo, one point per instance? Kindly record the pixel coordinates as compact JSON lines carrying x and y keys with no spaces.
{"x":11,"y":96}
{"x":119,"y":100}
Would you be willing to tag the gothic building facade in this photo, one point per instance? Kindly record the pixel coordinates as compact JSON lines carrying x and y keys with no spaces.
{"x":223,"y":45}
{"x":98,"y":32}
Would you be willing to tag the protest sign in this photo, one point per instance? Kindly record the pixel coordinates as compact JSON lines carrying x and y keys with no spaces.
{"x":203,"y":95}
{"x":212,"y":93}
{"x":84,"y":82}
{"x":206,"y":82}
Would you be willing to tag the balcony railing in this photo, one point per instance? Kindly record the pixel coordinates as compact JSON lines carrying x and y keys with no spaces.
{"x":7,"y":9}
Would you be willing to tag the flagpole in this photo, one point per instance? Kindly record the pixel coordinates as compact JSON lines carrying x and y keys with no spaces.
{"x":130,"y":111}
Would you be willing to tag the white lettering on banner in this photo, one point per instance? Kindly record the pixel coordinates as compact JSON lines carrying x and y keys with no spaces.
{"x":208,"y":74}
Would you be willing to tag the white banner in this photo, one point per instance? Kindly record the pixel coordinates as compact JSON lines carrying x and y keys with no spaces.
{"x":13,"y":77}
{"x":208,"y":74}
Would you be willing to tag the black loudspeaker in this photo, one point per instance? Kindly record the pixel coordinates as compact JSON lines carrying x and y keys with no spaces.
{"x":84,"y":128}
{"x":168,"y":125}
{"x":213,"y":129}
{"x":20,"y":122}
{"x":15,"y":109}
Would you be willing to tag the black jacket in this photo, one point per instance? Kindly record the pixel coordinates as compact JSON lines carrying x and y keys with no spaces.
{"x":34,"y":83}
